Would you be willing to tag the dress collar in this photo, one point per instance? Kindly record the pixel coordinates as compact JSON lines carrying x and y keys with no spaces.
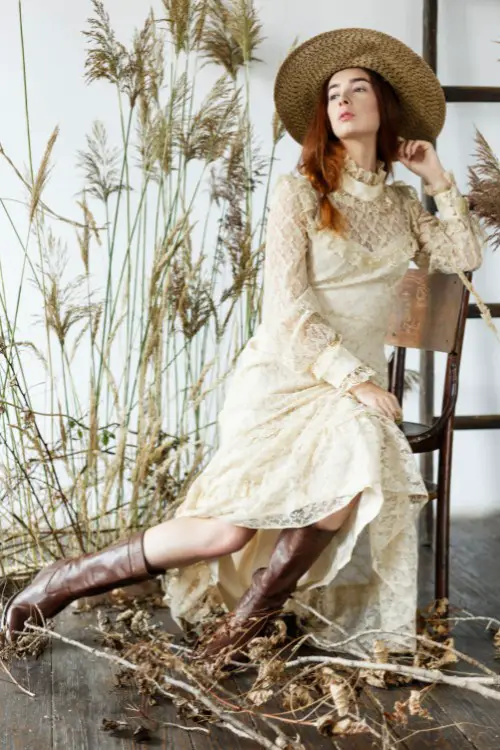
{"x":362,"y":183}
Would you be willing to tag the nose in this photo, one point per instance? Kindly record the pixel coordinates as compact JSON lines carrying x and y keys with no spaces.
{"x":343,"y":99}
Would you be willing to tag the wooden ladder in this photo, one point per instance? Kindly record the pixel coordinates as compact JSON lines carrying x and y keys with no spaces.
{"x":474,"y":421}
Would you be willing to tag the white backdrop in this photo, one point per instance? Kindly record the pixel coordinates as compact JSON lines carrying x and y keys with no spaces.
{"x":467,"y":54}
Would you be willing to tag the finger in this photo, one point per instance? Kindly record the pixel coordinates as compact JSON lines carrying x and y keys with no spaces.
{"x":395,"y":401}
{"x":395,"y":408}
{"x":386,"y":409}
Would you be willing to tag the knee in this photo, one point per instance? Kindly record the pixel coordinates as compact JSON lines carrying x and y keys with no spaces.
{"x":231,"y":539}
{"x":337,"y":519}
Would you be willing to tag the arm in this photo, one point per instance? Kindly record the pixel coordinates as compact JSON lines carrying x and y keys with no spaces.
{"x":292,"y":313}
{"x":454,"y":241}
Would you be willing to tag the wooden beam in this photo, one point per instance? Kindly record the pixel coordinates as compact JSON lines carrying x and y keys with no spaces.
{"x":480,"y":422}
{"x":426,"y":396}
{"x":430,"y":13}
{"x":472,"y":93}
{"x":494,"y":308}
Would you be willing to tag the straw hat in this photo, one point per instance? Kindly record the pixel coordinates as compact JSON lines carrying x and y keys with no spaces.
{"x":305,"y":70}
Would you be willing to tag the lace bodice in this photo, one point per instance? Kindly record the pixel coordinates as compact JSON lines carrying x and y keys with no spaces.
{"x":327,"y":298}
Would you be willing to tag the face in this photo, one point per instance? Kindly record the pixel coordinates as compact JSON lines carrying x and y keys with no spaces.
{"x":352,"y":104}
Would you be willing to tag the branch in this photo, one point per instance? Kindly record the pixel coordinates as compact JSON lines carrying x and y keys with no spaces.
{"x":234,"y":725}
{"x":435,"y":676}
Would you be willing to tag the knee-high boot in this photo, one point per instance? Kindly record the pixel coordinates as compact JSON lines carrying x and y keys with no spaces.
{"x":59,"y":584}
{"x":294,"y":553}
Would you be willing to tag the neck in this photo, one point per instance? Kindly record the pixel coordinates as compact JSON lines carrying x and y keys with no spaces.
{"x":363,"y":153}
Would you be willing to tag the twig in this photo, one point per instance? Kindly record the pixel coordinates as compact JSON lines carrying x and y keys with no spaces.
{"x":455,"y":725}
{"x":330,"y":623}
{"x":471,"y":618}
{"x":186,"y":729}
{"x":229,"y":721}
{"x":21,"y":688}
{"x":420,"y":638}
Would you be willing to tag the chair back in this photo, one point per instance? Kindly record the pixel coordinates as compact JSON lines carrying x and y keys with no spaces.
{"x":429,"y":313}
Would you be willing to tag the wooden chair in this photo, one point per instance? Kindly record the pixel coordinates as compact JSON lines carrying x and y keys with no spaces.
{"x":430,"y":313}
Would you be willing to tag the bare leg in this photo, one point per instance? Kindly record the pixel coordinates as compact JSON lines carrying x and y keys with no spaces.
{"x":183,"y":541}
{"x":173,"y":543}
{"x":336,"y":520}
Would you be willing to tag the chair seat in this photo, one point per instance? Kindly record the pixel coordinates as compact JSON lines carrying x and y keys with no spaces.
{"x":412,"y":429}
{"x":415,"y":434}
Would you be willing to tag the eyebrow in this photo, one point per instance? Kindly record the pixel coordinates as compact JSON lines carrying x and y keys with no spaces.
{"x":352,"y":80}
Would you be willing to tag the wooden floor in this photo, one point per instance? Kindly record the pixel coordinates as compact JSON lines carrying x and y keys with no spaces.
{"x":75,"y":691}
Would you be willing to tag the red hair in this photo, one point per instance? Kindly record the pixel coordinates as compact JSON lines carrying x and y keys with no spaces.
{"x":323,"y":154}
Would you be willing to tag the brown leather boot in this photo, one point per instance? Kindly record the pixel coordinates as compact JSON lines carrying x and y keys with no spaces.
{"x":294,"y":553}
{"x":59,"y":584}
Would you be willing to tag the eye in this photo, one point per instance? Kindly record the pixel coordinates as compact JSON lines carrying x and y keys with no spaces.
{"x":332,"y":97}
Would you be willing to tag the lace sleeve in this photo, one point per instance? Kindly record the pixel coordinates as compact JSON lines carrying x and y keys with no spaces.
{"x":292,"y":315}
{"x":453,"y":242}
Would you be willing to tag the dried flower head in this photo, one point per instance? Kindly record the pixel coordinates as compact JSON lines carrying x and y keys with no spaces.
{"x":484,"y":195}
{"x":231,"y":35}
{"x":100,"y":164}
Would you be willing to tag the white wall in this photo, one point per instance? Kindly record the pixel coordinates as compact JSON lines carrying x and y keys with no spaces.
{"x":58,"y":95}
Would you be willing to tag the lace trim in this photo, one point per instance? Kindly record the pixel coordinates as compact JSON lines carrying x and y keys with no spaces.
{"x":429,"y":190}
{"x":365,"y":175}
{"x":356,"y":377}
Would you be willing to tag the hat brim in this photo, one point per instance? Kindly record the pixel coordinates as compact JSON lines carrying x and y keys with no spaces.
{"x":302,"y":74}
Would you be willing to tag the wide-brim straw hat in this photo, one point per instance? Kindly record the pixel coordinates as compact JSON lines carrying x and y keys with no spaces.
{"x":302,"y":74}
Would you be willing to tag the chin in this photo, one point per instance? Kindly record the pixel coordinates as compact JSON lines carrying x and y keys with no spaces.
{"x":348,"y":130}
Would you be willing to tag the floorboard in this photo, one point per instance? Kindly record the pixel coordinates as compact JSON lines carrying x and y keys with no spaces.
{"x":76,"y":691}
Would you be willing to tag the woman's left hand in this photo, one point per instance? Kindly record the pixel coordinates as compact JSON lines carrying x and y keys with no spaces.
{"x":420,"y":157}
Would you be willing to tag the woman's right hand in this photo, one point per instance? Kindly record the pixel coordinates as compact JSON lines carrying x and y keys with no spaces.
{"x":371,"y":395}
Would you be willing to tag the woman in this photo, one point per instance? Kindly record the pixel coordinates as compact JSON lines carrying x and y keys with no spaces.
{"x":313,"y":480}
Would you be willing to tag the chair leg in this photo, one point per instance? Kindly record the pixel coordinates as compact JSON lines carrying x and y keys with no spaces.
{"x":426,"y":521}
{"x":426,"y":525}
{"x":442,"y":553}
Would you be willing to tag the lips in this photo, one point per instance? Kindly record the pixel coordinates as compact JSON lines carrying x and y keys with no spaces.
{"x":346,"y":116}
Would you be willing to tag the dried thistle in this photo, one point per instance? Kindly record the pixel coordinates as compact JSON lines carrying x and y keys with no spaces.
{"x":244,"y":27}
{"x":62,"y":308}
{"x":278,"y":129}
{"x":100,"y":164}
{"x":42,"y":175}
{"x":259,"y":697}
{"x":178,"y":20}
{"x":297,"y":696}
{"x":136,"y":72}
{"x":414,"y":705}
{"x":232,"y":34}
{"x":380,"y":652}
{"x":484,"y":195}
{"x":89,"y":229}
{"x":214,"y":125}
{"x":341,"y":696}
{"x":230,"y":184}
{"x":189,"y":295}
{"x":106,"y":57}
{"x":159,"y":132}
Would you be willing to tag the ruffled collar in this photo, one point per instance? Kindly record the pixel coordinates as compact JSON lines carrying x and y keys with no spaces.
{"x":362,"y":183}
{"x":365,"y":175}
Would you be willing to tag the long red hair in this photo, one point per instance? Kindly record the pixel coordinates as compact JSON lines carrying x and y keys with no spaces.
{"x":323,"y":154}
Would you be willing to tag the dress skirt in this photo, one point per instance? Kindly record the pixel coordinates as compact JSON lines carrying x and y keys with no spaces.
{"x":293,"y":450}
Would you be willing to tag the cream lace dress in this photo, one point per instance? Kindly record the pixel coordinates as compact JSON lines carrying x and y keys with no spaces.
{"x":294,"y":446}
